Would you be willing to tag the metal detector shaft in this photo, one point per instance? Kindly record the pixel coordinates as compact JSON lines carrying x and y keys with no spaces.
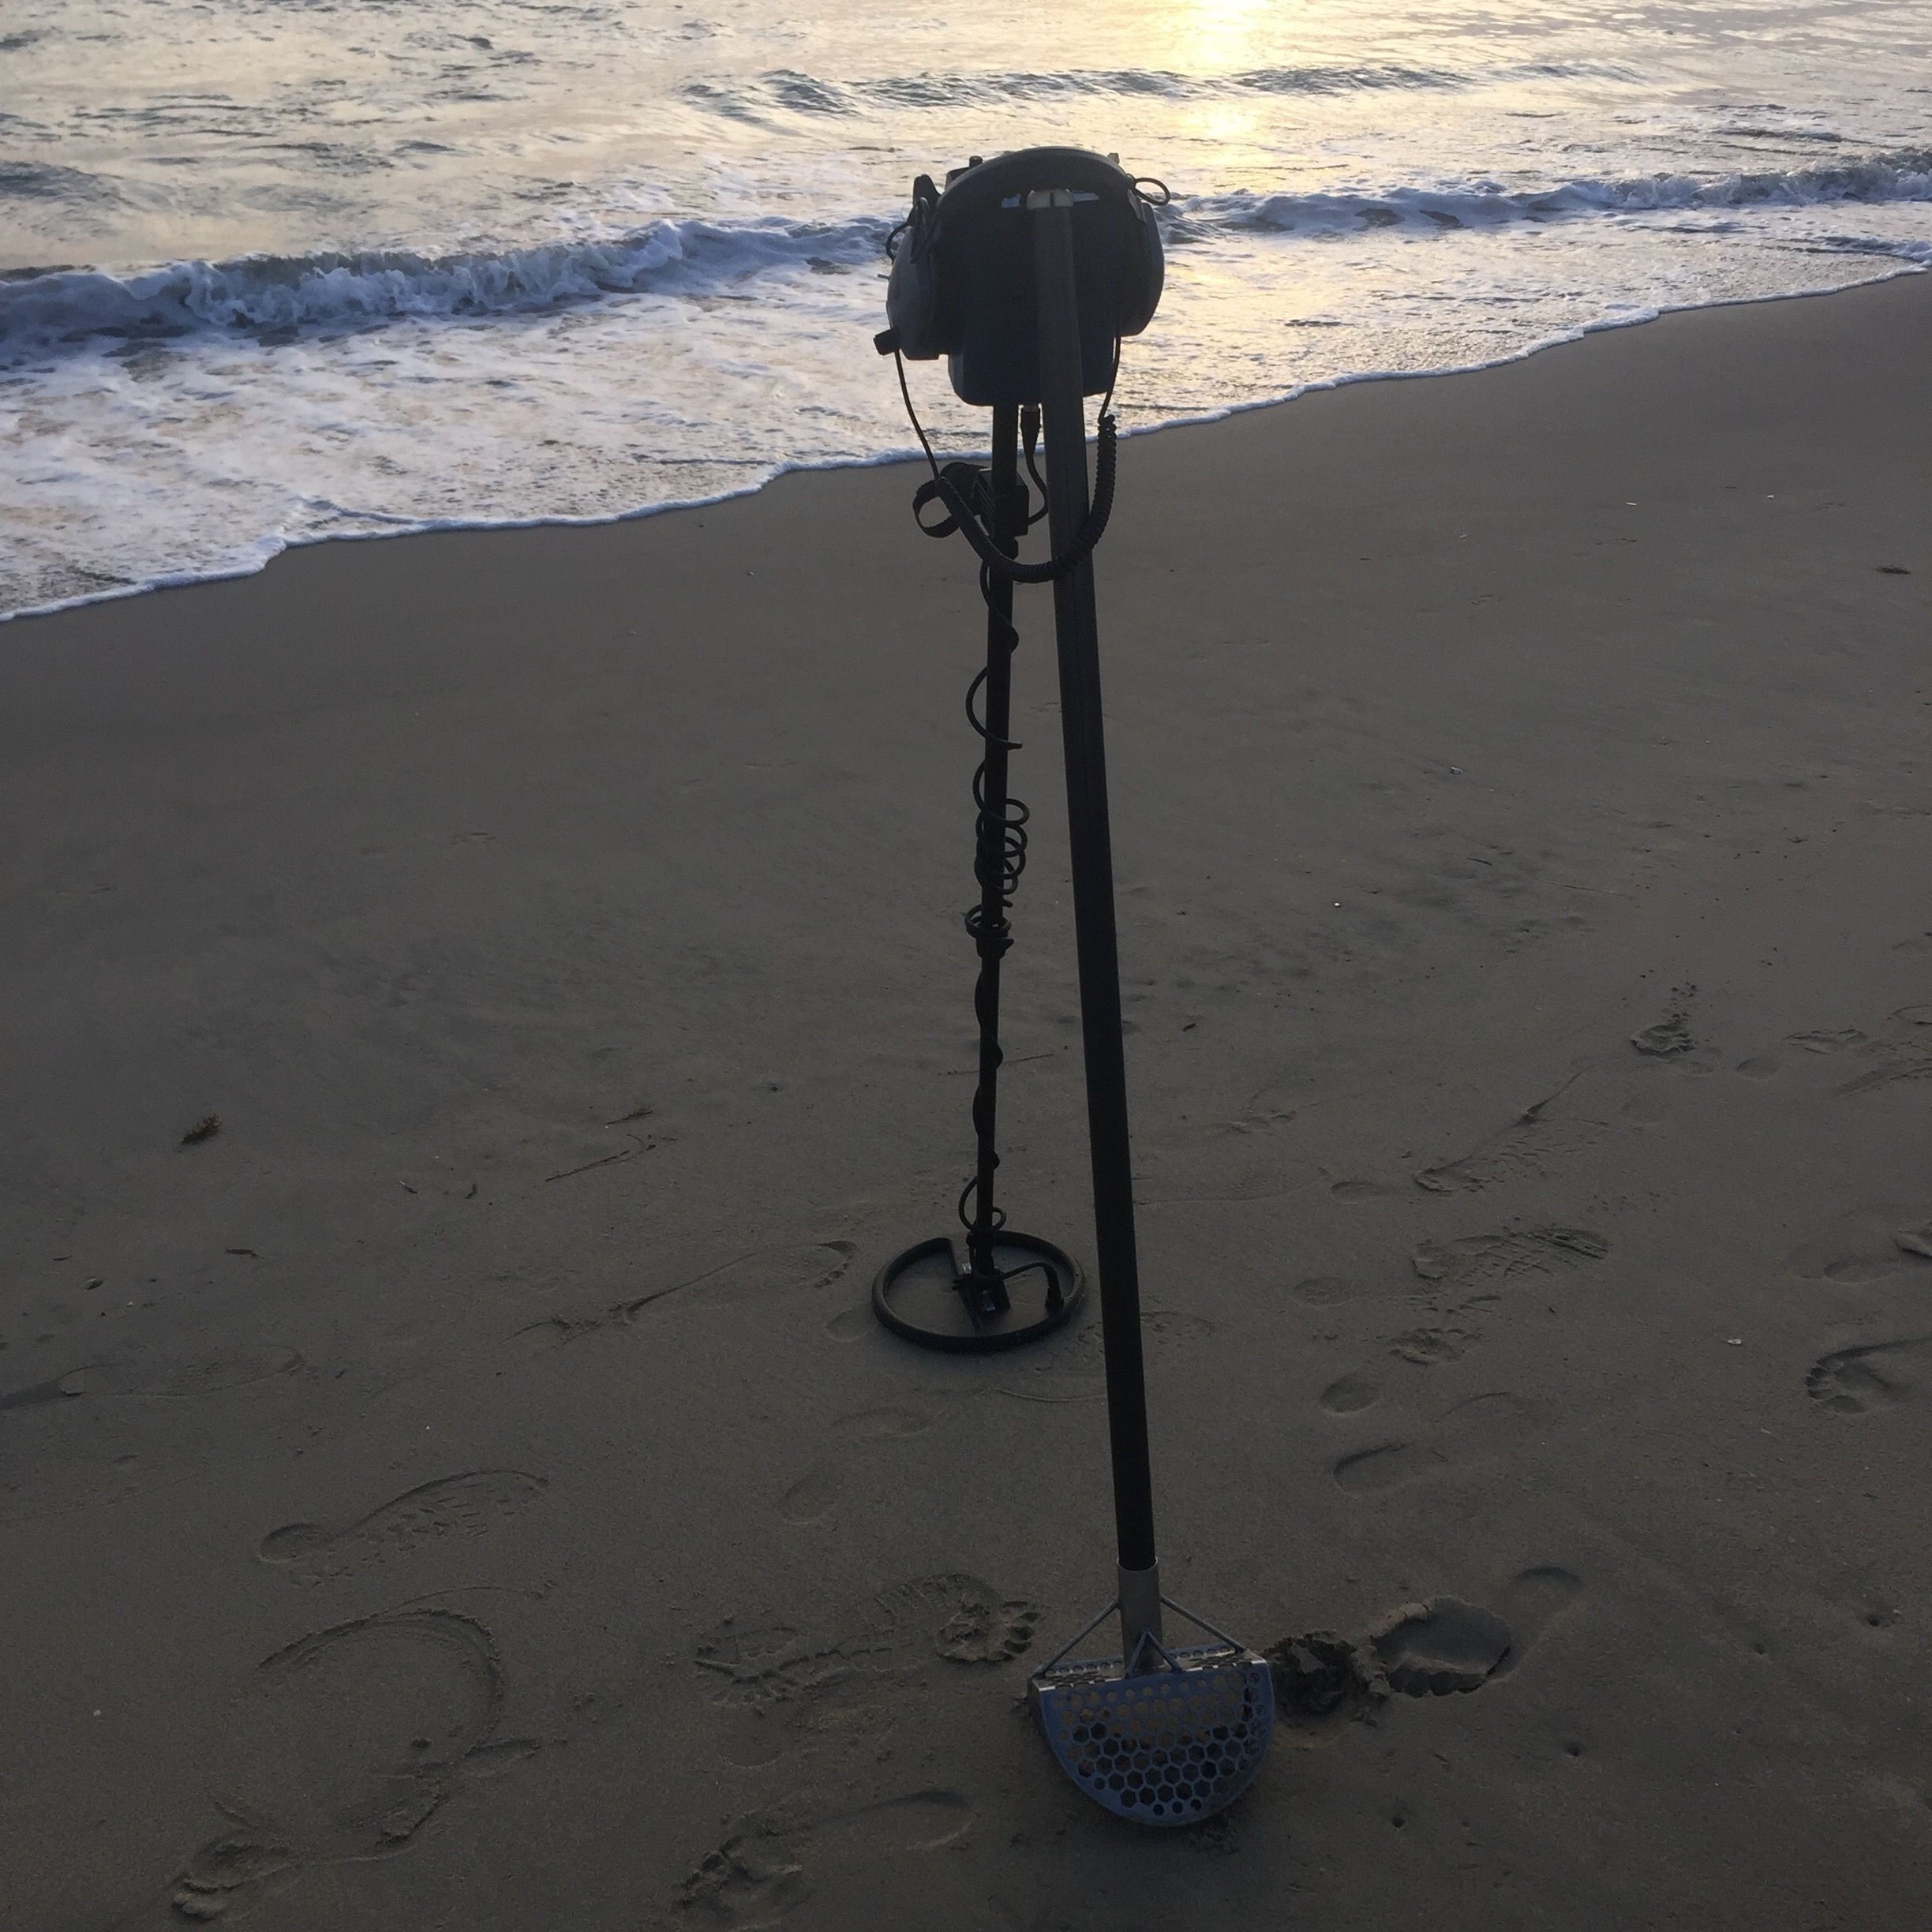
{"x":989,"y":855}
{"x":1064,"y":420}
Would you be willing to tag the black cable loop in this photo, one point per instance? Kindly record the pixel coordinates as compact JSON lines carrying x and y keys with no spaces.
{"x":964,"y":491}
{"x":999,"y":858}
{"x":1029,"y":441}
{"x":946,"y":488}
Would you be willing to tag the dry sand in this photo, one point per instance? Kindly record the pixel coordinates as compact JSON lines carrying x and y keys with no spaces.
{"x":467,"y":1490}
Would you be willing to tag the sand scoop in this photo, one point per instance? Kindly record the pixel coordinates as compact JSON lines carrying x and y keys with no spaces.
{"x":1027,"y":273}
{"x":1172,"y":1738}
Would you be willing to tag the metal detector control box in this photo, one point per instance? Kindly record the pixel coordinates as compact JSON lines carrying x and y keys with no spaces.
{"x":963,"y":273}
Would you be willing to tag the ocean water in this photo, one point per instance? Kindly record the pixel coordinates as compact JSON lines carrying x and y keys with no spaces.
{"x":273,"y":270}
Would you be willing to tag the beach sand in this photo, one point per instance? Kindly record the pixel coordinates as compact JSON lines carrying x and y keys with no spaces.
{"x":468,"y":1489}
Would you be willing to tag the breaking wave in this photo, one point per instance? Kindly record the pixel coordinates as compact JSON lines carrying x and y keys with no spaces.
{"x":268,"y":294}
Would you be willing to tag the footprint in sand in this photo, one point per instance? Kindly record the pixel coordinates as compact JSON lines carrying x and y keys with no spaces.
{"x":463,"y":1505}
{"x":1511,"y":1253}
{"x":1432,"y":1649}
{"x":961,"y":1619}
{"x":1445,"y":1646}
{"x":1531,"y":1147}
{"x":1888,"y":1066}
{"x":1426,"y":1347}
{"x":1350,"y":1393}
{"x":782,"y":1687}
{"x":1903,"y":1053}
{"x":1822,"y":1041}
{"x":1474,"y":1432}
{"x":1436,"y":1649}
{"x":1668,"y":1037}
{"x":786,"y":1271}
{"x":1856,"y":1381}
{"x":851,"y":1443}
{"x":346,"y":1743}
{"x":769,"y":1865}
{"x":1869,"y":1247}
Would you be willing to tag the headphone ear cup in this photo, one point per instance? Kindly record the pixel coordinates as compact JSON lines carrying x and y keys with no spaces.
{"x":1141,"y":293}
{"x":912,"y":301}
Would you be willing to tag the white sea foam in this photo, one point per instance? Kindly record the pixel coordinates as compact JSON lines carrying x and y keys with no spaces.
{"x":43,"y":314}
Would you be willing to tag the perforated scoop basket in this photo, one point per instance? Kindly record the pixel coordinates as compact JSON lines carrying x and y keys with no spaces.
{"x":1169,"y":1744}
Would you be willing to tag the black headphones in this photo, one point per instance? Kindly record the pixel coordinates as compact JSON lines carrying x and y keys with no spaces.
{"x":939,"y":250}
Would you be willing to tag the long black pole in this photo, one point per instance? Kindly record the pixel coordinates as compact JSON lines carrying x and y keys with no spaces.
{"x":1064,"y":419}
{"x":987,"y":922}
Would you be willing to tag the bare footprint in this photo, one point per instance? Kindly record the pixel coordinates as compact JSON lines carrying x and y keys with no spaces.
{"x":1533,"y":1601}
{"x":1433,"y":1648}
{"x":1474,"y":1432}
{"x":1865,"y":1249}
{"x":1856,"y":1381}
{"x":1445,"y":1646}
{"x":1670,"y":1036}
{"x":1426,"y":1347}
{"x":1350,"y":1393}
{"x":850,"y":1442}
{"x":462,"y":1505}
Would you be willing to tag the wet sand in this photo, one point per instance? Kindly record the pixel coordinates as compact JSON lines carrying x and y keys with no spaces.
{"x":467,"y":1488}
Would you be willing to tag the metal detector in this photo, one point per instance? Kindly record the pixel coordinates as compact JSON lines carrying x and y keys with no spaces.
{"x":1026,"y":273}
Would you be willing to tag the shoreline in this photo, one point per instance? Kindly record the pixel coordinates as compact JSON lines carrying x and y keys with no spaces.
{"x":469,"y":1488}
{"x":1903,"y":267}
